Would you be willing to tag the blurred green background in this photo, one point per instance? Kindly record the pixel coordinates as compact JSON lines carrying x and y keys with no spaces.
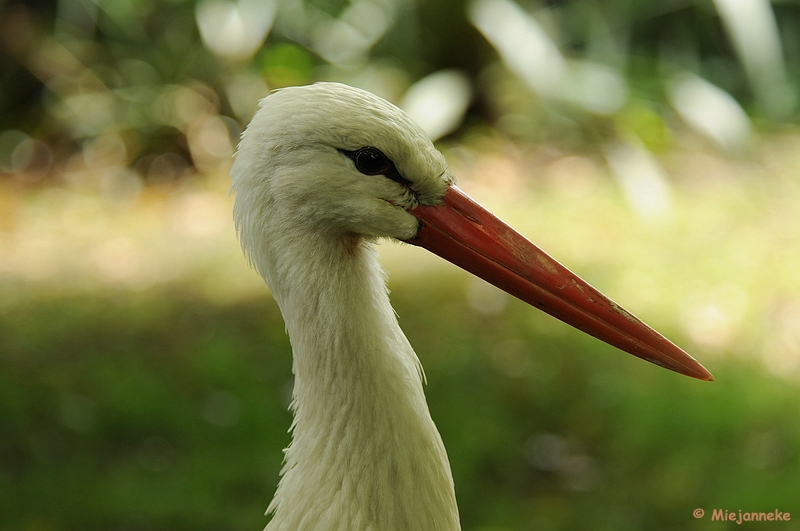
{"x":653,"y":147}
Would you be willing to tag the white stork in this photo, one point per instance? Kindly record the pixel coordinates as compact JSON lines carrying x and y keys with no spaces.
{"x":321,"y":172}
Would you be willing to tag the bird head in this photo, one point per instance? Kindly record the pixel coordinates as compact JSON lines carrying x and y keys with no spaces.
{"x":338,"y":160}
{"x":334,"y":161}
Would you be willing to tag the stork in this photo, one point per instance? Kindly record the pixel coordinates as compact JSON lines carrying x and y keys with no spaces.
{"x":321,"y":173}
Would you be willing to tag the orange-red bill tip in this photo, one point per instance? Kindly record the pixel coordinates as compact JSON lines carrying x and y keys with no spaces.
{"x":466,"y":234}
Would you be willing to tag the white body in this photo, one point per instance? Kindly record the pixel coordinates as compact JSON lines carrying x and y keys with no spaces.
{"x":365,"y":453}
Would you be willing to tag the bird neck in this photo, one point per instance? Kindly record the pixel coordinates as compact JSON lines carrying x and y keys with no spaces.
{"x":365,"y":453}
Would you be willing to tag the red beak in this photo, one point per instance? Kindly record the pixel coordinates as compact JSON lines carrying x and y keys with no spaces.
{"x":466,"y":234}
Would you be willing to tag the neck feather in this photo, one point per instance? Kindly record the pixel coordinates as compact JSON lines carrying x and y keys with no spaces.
{"x":365,"y":453}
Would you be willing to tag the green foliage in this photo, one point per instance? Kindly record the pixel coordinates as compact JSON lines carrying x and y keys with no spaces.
{"x":285,"y":64}
{"x":158,"y":415}
{"x":148,"y":407}
{"x":166,"y":412}
{"x":88,"y":69}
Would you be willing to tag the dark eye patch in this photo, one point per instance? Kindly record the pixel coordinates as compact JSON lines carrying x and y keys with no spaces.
{"x":371,"y":161}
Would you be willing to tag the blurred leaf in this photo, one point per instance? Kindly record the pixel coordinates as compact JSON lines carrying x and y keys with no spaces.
{"x":285,"y":64}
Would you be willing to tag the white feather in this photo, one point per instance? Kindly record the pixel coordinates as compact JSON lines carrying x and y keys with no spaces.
{"x":365,"y":453}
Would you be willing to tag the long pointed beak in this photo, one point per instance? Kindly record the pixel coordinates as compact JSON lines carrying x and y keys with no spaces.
{"x":466,"y":234}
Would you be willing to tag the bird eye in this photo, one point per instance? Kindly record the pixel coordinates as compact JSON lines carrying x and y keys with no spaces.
{"x":371,"y":161}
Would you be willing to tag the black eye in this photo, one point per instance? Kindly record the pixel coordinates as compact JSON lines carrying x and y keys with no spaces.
{"x":370,"y":161}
